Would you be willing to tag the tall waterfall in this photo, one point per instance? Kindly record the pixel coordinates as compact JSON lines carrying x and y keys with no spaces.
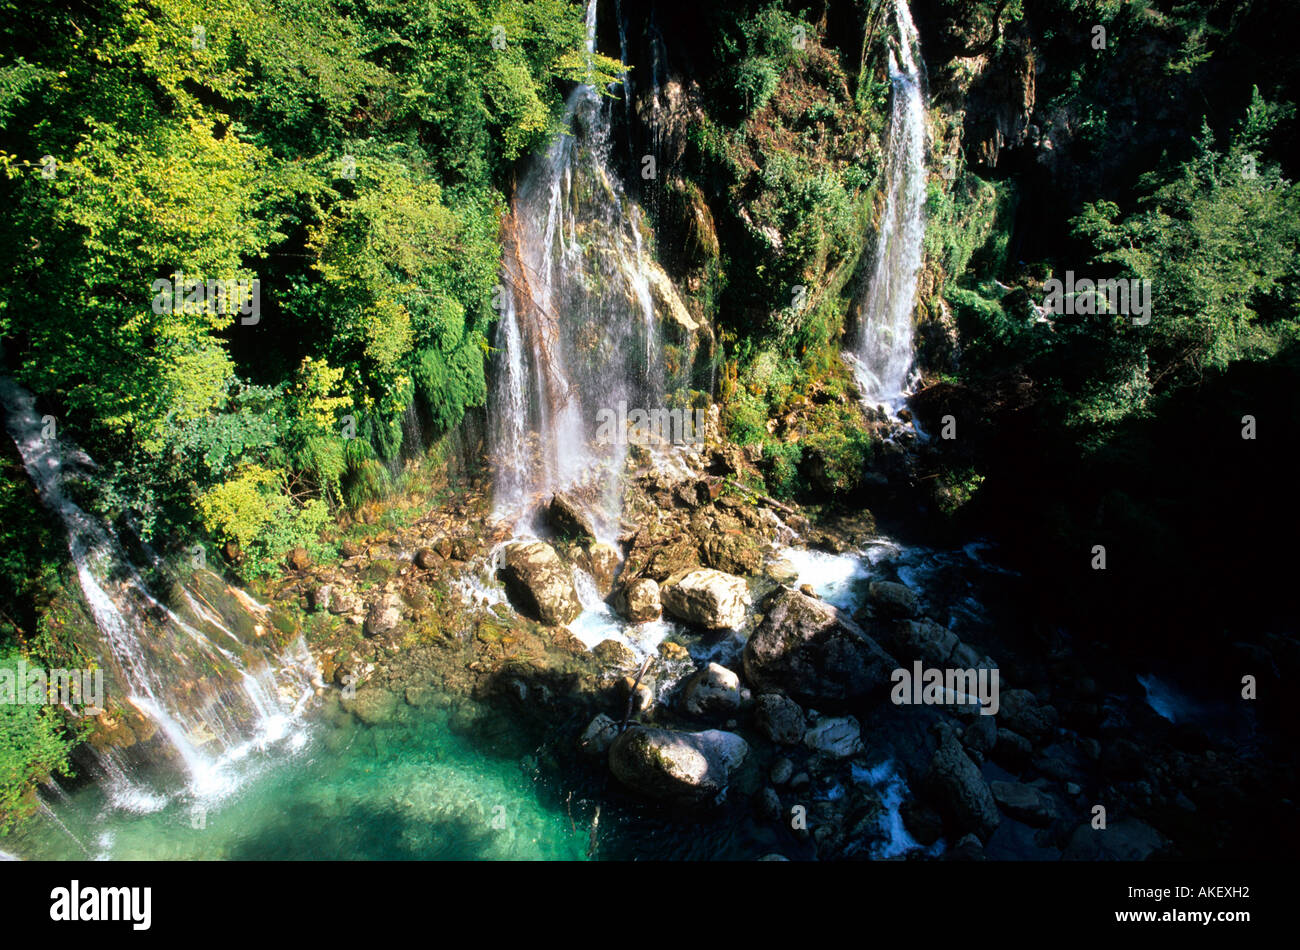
{"x":581,"y":319}
{"x":883,"y":354}
{"x":201,"y":668}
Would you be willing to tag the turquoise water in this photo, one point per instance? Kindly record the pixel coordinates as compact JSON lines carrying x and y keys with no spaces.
{"x":410,"y":789}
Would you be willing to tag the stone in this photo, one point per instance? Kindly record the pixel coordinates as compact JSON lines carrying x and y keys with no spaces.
{"x":1124,"y":840}
{"x":1024,"y":803}
{"x":892,"y":600}
{"x":779,"y":718}
{"x":782,"y":771}
{"x":299,"y":559}
{"x":732,"y":552}
{"x":1021,"y":713}
{"x":685,"y":768}
{"x":954,"y":784}
{"x":604,"y":565}
{"x":706,"y":598}
{"x":383,"y":616}
{"x":921,"y":639}
{"x":811,"y":651}
{"x":598,"y":736}
{"x":320,"y":597}
{"x":568,"y":519}
{"x":538,"y":583}
{"x":638,"y":600}
{"x":372,"y":705}
{"x":837,"y":738}
{"x":781,"y":570}
{"x":713,"y":691}
{"x":427,"y":559}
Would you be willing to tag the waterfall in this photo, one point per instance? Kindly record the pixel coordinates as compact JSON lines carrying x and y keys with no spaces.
{"x":882,"y":358}
{"x":580,"y":330}
{"x":212,"y":693}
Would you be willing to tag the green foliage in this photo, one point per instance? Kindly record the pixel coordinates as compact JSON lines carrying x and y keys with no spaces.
{"x":33,"y":745}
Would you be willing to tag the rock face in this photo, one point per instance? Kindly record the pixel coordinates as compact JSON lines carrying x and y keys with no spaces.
{"x":568,"y":519}
{"x":538,"y":583}
{"x":639,"y":601}
{"x":683,"y":768}
{"x":808,"y":649}
{"x":713,"y":691}
{"x":954,"y":784}
{"x":706,"y":598}
{"x":780,"y":719}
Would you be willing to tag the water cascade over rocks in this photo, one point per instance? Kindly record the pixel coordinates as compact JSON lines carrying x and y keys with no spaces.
{"x":882,"y":357}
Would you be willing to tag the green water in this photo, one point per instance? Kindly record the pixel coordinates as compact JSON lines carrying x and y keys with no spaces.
{"x":419,"y":787}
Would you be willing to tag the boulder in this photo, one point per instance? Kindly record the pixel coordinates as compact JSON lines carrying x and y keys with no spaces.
{"x":427,"y":559}
{"x":603,"y":560}
{"x":954,"y":784}
{"x":706,"y":598}
{"x":598,"y":736}
{"x":538,"y":583}
{"x":683,"y":768}
{"x":1024,"y":803}
{"x":1125,"y":840}
{"x":811,"y":651}
{"x":836,"y":738}
{"x":1021,"y":712}
{"x":919,"y":640}
{"x":891,"y":599}
{"x":568,"y":519}
{"x":779,"y":718}
{"x":383,"y":616}
{"x":638,"y":600}
{"x":732,"y":552}
{"x":713,"y":691}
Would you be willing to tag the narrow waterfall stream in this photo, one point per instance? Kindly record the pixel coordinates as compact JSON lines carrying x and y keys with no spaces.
{"x":882,"y":356}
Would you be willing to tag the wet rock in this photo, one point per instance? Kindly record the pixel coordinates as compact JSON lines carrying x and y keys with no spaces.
{"x":706,"y":598}
{"x":638,"y":601}
{"x":1125,"y":840}
{"x":807,"y":590}
{"x":779,"y":718}
{"x":384,"y":615}
{"x":837,"y":738}
{"x":603,"y":560}
{"x":808,"y":649}
{"x":892,"y":600}
{"x":371,"y":705}
{"x":781,"y":570}
{"x":713,"y":691}
{"x":1024,"y":803}
{"x":427,"y":559}
{"x":568,"y":519}
{"x":954,"y":784}
{"x":678,"y":767}
{"x":444,"y":547}
{"x":611,"y":653}
{"x":538,"y":583}
{"x":598,"y":736}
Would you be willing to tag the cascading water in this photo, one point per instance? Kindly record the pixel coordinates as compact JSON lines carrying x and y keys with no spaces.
{"x":882,"y":358}
{"x":581,"y":329}
{"x":211,"y":693}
